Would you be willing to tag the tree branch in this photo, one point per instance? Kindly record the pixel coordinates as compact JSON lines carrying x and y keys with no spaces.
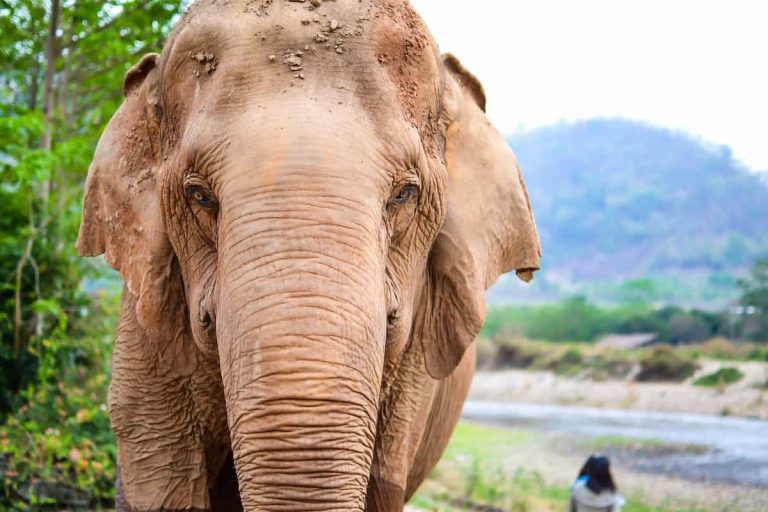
{"x":17,"y":314}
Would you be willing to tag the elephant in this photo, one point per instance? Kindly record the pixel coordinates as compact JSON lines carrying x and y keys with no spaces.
{"x":306,"y":203}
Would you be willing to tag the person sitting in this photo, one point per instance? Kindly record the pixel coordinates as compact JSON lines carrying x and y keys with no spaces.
{"x":594,"y":489}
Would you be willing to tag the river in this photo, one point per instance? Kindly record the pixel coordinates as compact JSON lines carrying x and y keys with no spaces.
{"x":726,"y":449}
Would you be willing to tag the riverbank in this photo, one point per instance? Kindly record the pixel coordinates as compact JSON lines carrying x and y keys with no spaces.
{"x":673,"y":461}
{"x":714,"y":449}
{"x":492,"y":468}
{"x":746,"y":398}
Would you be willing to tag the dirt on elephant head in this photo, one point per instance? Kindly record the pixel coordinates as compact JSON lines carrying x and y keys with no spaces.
{"x":308,"y":41}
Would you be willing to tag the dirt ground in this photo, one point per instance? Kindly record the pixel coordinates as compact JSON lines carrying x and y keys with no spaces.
{"x":747,"y":398}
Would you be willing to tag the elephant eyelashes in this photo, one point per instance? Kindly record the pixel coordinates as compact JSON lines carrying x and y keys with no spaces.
{"x":201,"y":196}
{"x":404,"y":195}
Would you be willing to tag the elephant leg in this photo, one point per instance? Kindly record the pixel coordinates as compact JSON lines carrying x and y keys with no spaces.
{"x":402,"y":419}
{"x":384,"y":496}
{"x":444,"y":415}
{"x":120,"y":504}
{"x":416,"y":422}
{"x":165,"y":439}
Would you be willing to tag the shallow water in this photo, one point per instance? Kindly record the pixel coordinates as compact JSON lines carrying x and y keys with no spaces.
{"x":733,"y":450}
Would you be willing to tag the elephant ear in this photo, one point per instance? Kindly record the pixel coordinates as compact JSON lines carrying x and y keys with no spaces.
{"x":121,"y":211}
{"x":489,"y":227}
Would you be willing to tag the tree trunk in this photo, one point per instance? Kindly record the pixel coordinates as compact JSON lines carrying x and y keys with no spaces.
{"x":34,"y":86}
{"x":43,"y":193}
{"x":51,"y":52}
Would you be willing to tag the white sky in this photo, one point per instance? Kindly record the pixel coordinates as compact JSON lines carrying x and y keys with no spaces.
{"x":696,"y":65}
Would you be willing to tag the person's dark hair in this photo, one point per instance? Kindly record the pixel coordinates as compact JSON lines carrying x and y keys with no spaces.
{"x":597,"y":469}
{"x":585,"y":468}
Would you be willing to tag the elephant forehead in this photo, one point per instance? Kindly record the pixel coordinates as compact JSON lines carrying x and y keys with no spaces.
{"x":380,"y":52}
{"x":296,"y":145}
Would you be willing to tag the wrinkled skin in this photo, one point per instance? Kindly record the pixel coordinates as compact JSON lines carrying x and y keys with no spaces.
{"x":306,"y":240}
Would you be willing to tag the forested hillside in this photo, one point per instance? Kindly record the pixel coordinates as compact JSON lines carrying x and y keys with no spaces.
{"x":617,"y":200}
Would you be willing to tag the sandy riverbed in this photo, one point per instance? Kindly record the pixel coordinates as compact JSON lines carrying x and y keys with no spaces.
{"x":746,"y":398}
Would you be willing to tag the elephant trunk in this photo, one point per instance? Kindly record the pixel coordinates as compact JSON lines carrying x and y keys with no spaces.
{"x":301,"y":330}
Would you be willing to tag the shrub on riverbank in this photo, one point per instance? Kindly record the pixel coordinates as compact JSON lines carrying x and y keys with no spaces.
{"x":725,"y":350}
{"x":582,"y":360}
{"x":720,"y":378}
{"x":664,"y":364}
{"x":659,"y":363}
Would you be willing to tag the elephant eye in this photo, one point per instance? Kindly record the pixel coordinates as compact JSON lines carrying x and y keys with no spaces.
{"x":201,"y":197}
{"x":404,"y":195}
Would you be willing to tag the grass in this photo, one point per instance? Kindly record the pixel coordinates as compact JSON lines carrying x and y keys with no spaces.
{"x":472,"y":476}
{"x":483,"y":442}
{"x":609,"y":443}
{"x":605,"y":442}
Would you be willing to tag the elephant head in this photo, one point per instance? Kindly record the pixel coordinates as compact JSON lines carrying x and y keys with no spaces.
{"x":328,"y":194}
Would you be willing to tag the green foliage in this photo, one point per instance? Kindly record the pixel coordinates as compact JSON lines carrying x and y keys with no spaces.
{"x":572,"y":319}
{"x":674,"y":325}
{"x":48,"y":132}
{"x":575,"y":319}
{"x":58,"y":88}
{"x":720,"y":378}
{"x":58,"y":447}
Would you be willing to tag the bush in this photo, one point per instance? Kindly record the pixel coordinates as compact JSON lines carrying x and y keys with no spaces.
{"x":572,"y":356}
{"x":720,"y":378}
{"x":758,"y":354}
{"x":568,"y":363}
{"x":517,"y":353}
{"x":58,"y":449}
{"x":666,"y":365}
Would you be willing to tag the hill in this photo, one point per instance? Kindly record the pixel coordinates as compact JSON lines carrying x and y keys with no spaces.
{"x":618,"y":200}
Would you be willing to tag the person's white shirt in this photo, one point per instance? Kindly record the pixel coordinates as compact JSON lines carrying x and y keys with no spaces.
{"x":583,"y":499}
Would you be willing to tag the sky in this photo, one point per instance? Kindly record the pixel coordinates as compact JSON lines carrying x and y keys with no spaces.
{"x":700,"y":66}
